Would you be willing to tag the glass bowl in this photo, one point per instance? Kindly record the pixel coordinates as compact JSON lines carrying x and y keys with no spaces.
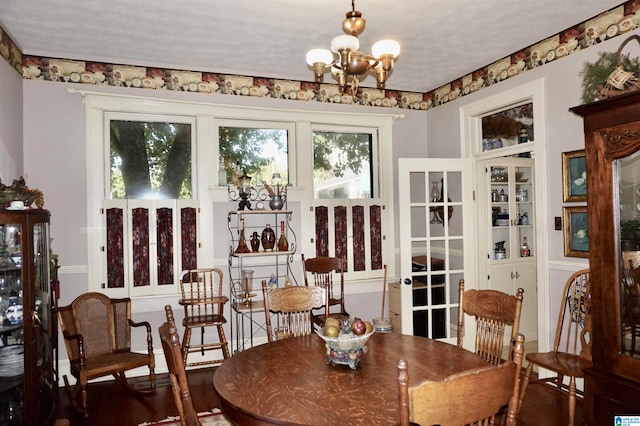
{"x":346,"y":349}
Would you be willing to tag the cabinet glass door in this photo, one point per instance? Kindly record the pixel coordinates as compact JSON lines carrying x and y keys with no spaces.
{"x":512,"y":209}
{"x":629,"y":212}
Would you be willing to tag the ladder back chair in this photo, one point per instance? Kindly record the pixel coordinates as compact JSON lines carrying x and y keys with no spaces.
{"x":472,"y":397}
{"x":177,"y":373}
{"x":494,"y":311}
{"x":293,"y":305}
{"x":572,"y":344}
{"x":203,"y":302}
{"x":97,"y":335}
{"x":320,"y":272}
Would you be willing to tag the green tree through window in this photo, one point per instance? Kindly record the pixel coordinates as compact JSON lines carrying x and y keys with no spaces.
{"x":150,"y":160}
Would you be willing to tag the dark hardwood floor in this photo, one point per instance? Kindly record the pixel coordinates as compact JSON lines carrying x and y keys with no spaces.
{"x":110,"y":404}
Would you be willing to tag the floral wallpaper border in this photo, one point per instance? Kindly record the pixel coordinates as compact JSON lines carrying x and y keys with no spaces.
{"x":607,"y":25}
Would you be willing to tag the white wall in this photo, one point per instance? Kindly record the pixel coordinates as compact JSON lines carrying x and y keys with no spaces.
{"x":11,"y":160}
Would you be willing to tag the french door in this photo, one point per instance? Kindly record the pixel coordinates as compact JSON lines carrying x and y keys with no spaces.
{"x":437,"y":245}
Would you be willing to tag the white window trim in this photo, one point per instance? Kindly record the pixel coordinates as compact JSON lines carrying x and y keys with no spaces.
{"x":208,"y":116}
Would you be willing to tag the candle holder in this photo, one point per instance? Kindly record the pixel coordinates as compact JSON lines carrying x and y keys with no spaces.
{"x":244,"y":189}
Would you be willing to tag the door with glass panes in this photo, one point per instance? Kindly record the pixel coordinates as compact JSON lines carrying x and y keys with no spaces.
{"x":436,"y":245}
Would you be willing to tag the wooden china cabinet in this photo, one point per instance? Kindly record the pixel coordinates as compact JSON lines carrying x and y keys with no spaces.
{"x":27,"y":363}
{"x":612,"y":144}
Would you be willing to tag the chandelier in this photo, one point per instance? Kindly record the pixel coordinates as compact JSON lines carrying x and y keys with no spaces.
{"x":347,"y":63}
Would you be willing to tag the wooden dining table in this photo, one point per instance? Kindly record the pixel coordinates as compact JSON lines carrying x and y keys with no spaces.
{"x":288,"y":382}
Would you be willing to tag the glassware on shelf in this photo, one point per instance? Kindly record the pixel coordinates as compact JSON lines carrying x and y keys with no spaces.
{"x":283,"y":243}
{"x":255,"y":242}
{"x":242,"y":243}
{"x":268,"y":238}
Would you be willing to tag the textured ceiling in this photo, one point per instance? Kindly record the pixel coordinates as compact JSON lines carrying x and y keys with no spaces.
{"x":441,"y":40}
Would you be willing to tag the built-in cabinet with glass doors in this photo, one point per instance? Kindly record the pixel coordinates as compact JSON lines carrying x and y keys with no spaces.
{"x":510,"y":224}
{"x":27,"y":327}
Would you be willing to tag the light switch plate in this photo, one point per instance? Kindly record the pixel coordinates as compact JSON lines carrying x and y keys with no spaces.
{"x":558,"y":223}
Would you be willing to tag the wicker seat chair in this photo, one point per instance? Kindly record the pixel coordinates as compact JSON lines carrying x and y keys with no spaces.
{"x":319,"y":272}
{"x":571,"y":353}
{"x":203,"y":302}
{"x":293,"y":305}
{"x":472,"y":397}
{"x":97,"y":335}
{"x":494,"y":312}
{"x":177,"y":373}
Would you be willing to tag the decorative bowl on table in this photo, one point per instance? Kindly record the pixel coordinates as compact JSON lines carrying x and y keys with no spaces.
{"x":346,"y":349}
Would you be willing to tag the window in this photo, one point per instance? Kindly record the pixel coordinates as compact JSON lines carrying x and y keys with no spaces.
{"x":258,"y":151}
{"x":343,"y":164}
{"x":150,"y":160}
{"x":158,"y":172}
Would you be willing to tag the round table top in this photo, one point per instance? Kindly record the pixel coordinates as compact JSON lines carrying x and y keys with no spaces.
{"x":288,"y":382}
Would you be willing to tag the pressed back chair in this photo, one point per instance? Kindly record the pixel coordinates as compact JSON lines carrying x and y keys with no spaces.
{"x":177,"y":373}
{"x":472,"y":397}
{"x":203,"y":302}
{"x":97,"y":335}
{"x":571,"y":353}
{"x":293,"y":305}
{"x":493,"y":311}
{"x":320,"y":272}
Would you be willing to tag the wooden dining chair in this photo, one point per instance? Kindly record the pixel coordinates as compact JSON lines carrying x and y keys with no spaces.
{"x":494,"y":311}
{"x":571,"y":353}
{"x":293,"y":305}
{"x":320,"y":272}
{"x":97,"y":335}
{"x":471,"y":397}
{"x":177,"y":374}
{"x":203,"y":302}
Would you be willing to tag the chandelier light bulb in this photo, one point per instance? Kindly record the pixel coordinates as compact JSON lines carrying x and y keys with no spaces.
{"x":345,"y":42}
{"x":386,"y":47}
{"x":319,"y":56}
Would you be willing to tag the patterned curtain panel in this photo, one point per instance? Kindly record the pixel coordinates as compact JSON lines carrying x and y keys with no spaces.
{"x":164,"y":235}
{"x":140,"y":251}
{"x":115,"y":248}
{"x":359,"y":263}
{"x":322,"y":231}
{"x":375,"y":219}
{"x":340,"y":213}
{"x":188,"y":238}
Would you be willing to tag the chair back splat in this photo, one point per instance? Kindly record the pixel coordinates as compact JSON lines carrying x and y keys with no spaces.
{"x":571,"y":353}
{"x":97,"y":334}
{"x":471,"y":397}
{"x":293,"y":305}
{"x":177,"y":374}
{"x":203,"y":303}
{"x":494,"y":311}
{"x":322,"y":271}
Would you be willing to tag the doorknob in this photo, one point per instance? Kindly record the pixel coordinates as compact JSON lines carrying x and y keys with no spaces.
{"x":512,"y":275}
{"x":407,"y":281}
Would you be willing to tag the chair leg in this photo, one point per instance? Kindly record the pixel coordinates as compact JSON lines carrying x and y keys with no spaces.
{"x":72,"y":394}
{"x":223,"y":342}
{"x":524,"y":383}
{"x":572,"y":399}
{"x":186,"y":339}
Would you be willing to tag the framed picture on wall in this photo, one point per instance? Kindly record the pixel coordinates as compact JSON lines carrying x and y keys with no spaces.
{"x":574,"y":176}
{"x":576,"y":232}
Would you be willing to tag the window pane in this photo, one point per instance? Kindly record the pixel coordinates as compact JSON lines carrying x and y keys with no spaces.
{"x":259,"y":152}
{"x":342,"y":165}
{"x":150,"y":160}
